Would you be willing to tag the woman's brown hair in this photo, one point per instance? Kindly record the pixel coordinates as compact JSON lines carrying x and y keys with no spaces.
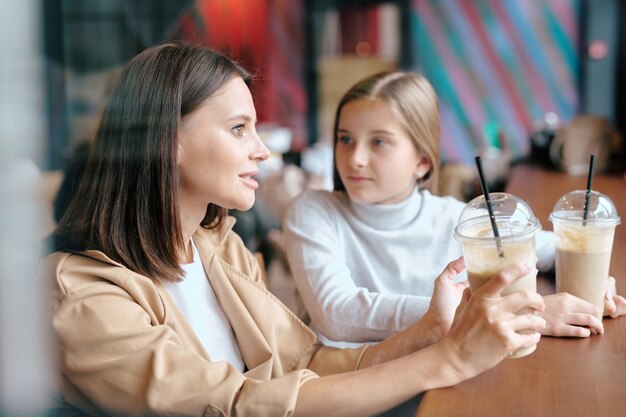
{"x":126,"y":203}
{"x":414,"y":100}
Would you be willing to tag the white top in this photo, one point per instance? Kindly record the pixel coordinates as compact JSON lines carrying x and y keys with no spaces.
{"x":195,"y":298}
{"x":366,"y":271}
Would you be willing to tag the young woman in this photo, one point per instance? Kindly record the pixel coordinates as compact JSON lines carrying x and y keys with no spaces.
{"x":159,"y":309}
{"x":365,"y":256}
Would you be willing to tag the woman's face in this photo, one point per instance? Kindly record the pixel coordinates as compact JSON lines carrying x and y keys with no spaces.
{"x":376,"y":158}
{"x":219,"y":150}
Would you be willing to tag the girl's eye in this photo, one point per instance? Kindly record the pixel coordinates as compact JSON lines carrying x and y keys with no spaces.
{"x":345,"y":139}
{"x":379,"y":142}
{"x":239,"y":129}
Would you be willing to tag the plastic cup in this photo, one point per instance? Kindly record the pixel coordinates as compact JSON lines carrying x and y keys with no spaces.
{"x":485,"y":255}
{"x":584,"y":244}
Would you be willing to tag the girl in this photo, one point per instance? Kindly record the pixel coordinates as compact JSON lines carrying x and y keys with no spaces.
{"x":159,"y":309}
{"x":364,"y":257}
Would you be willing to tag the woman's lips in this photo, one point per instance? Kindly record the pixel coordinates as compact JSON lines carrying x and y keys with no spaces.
{"x":249,"y":180}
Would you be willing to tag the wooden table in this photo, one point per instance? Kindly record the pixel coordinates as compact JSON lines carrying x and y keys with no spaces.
{"x":564,"y":376}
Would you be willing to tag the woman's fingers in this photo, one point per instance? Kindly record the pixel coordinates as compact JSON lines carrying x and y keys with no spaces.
{"x":516,"y":301}
{"x":567,"y":330}
{"x":452,"y":269}
{"x":611,"y":288}
{"x":495,"y":286}
{"x":571,"y":316}
{"x":525,"y":323}
{"x":613,"y":303}
{"x":588,"y":320}
{"x":564,"y":303}
{"x":525,"y":340}
{"x":579,"y":325}
{"x":462,"y":285}
{"x":609,"y":307}
{"x":464,"y":299}
{"x":488,"y":326}
{"x":520,"y":331}
{"x":575,"y":331}
{"x":619,"y":309}
{"x":446,"y":295}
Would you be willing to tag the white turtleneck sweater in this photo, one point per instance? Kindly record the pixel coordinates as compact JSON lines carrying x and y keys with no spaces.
{"x":366,"y":271}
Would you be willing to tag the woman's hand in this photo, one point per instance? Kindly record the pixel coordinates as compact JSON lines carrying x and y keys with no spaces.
{"x":568,"y":315}
{"x":447,"y":295}
{"x":487,"y":328}
{"x":614,"y":304}
{"x":429,"y":329}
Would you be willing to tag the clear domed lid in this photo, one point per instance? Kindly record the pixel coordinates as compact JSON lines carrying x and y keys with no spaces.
{"x":513,"y":217}
{"x":571,"y":209}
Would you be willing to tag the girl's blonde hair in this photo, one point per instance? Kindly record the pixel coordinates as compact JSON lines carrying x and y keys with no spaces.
{"x":414,"y":100}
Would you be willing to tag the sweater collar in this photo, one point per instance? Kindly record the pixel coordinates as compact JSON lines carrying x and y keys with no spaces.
{"x":389,"y":216}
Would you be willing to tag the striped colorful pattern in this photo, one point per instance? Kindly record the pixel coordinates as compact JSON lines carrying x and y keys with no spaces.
{"x":503,"y":61}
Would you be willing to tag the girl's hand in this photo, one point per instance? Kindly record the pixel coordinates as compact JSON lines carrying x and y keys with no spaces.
{"x":568,"y":315}
{"x":487,"y":329}
{"x":614,"y":304}
{"x":446,"y":295}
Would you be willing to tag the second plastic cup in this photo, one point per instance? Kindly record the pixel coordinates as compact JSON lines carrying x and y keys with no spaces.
{"x":485,"y":255}
{"x":584,"y":244}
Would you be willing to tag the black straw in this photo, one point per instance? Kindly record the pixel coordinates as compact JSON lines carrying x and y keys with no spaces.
{"x":588,"y":193}
{"x":492,"y":218}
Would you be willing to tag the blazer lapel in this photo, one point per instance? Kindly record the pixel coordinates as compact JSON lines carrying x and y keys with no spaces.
{"x":175,"y":319}
{"x":272,"y":340}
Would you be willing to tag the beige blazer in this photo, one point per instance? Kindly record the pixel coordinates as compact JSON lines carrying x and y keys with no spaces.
{"x":126,"y":349}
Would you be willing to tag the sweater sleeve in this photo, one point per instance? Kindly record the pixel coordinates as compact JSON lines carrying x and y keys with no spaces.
{"x":339,"y":309}
{"x":544,"y":246}
{"x":125,"y":361}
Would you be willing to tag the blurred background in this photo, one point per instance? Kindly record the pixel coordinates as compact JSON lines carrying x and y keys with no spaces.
{"x":519,"y":81}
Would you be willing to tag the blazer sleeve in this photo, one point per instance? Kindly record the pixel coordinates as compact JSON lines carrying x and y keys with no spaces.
{"x":125,"y":360}
{"x":329,"y":360}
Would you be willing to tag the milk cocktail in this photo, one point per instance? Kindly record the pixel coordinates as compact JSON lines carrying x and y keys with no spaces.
{"x":483,"y":262}
{"x":584,"y":244}
{"x":486,"y":255}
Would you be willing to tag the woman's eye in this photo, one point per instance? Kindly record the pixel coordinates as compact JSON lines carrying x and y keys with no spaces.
{"x":345,"y":139}
{"x":379,"y":142}
{"x":239,"y":129}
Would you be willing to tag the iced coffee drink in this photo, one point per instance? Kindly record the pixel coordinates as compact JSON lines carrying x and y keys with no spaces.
{"x":486,"y":255}
{"x":583,"y":244}
{"x":483,"y":262}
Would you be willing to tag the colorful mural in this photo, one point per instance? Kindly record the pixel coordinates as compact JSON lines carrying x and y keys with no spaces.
{"x":494,"y":63}
{"x":507,"y":62}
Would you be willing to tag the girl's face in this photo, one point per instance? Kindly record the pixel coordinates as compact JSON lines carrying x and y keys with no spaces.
{"x":376,"y":159}
{"x":219,"y":150}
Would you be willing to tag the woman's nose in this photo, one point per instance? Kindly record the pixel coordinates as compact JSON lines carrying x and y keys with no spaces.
{"x":259,"y":152}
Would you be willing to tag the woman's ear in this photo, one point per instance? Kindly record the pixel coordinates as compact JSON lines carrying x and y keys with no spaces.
{"x":423,"y":167}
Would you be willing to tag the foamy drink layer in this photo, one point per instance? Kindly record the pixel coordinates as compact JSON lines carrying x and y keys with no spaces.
{"x":584,"y":239}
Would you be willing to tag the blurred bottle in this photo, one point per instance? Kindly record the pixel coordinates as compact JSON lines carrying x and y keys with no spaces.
{"x":544,"y":131}
{"x":496,"y":156}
